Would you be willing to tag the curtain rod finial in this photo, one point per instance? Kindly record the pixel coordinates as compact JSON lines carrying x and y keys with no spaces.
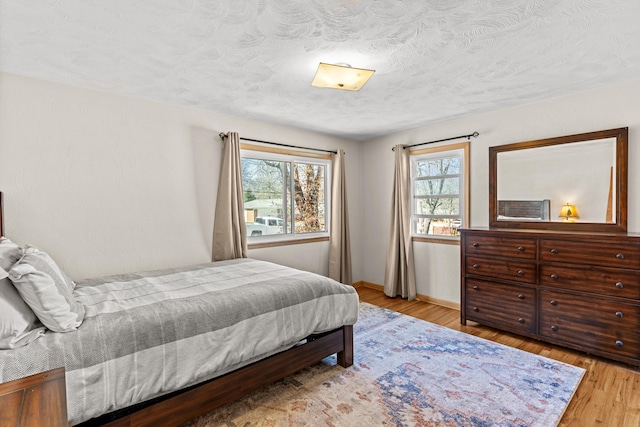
{"x":222,"y":135}
{"x":475,"y":134}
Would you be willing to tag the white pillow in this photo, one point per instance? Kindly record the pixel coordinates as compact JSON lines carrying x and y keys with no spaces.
{"x":18,"y":324}
{"x":47,"y":290}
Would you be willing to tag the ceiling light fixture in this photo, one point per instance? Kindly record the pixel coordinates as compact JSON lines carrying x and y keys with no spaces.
{"x":341,"y":76}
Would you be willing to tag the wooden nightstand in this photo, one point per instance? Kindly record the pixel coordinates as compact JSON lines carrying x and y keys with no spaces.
{"x":39,"y":400}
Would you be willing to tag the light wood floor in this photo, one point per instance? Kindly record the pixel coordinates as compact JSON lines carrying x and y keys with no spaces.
{"x":609,"y":394}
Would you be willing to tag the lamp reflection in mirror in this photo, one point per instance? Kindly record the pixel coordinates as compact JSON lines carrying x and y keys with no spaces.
{"x":568,"y":212}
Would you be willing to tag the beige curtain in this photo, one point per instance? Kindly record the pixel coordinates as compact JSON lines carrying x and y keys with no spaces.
{"x":229,"y":229}
{"x":400,"y":277}
{"x":339,"y":244}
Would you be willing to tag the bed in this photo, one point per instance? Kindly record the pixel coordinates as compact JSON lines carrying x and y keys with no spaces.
{"x":523,"y":210}
{"x":162,"y":347}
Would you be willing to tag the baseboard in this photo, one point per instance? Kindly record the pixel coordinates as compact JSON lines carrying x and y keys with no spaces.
{"x":363,"y":284}
{"x":420,"y":297}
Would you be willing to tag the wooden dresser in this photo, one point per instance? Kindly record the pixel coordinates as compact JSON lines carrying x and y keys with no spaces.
{"x":578,"y":290}
{"x":39,"y":400}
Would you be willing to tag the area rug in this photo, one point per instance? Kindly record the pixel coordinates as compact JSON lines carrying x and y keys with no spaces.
{"x":408,"y":372}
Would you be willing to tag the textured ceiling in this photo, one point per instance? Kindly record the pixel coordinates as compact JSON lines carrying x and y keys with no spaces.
{"x":435,"y":60}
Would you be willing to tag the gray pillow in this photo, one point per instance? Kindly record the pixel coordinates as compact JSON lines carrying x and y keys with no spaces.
{"x":10,"y":253}
{"x":18,"y":324}
{"x":47,"y":290}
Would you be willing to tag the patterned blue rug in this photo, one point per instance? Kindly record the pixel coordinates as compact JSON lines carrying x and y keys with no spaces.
{"x":409,"y":372}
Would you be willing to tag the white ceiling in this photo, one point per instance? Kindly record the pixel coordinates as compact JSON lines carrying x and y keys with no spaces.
{"x":435,"y":60}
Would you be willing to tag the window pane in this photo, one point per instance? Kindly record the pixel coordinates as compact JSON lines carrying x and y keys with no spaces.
{"x":427,"y":187}
{"x":284,"y":196}
{"x":437,"y":226}
{"x":438,"y":206}
{"x":437,"y":167}
{"x":263,"y":182}
{"x":309,"y":197}
{"x":438,"y":191}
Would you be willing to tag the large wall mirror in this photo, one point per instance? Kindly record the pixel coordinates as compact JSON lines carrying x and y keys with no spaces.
{"x":569,"y":183}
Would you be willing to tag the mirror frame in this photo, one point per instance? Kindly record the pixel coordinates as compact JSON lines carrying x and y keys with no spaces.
{"x":622,"y":159}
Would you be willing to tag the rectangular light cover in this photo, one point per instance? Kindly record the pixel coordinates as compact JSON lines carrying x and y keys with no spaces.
{"x":341,"y":77}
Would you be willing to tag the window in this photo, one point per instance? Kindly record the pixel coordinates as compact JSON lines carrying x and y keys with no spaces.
{"x":438,"y":190}
{"x":285,"y":196}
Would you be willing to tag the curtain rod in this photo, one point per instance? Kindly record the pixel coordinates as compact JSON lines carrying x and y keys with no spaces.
{"x":222,"y":135}
{"x":474,"y":134}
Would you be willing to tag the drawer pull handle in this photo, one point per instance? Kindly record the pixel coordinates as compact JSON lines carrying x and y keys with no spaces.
{"x":475,"y":287}
{"x":554,"y":328}
{"x":475,"y":245}
{"x":521,"y":320}
{"x":520,"y":273}
{"x":554,"y":276}
{"x":520,"y":296}
{"x":619,"y":314}
{"x":475,"y":266}
{"x":619,"y":285}
{"x":554,"y":251}
{"x":553,"y":302}
{"x":619,"y":343}
{"x":476,"y":309}
{"x":521,"y":248}
{"x":620,"y":256}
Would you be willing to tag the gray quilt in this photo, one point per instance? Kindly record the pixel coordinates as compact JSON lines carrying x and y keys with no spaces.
{"x":148,"y":334}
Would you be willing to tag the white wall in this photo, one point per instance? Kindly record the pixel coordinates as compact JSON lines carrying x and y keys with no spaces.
{"x":438,"y":265}
{"x":110,"y":184}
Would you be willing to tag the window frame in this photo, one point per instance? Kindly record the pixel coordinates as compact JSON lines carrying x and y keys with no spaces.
{"x":292,"y":156}
{"x":439,"y":152}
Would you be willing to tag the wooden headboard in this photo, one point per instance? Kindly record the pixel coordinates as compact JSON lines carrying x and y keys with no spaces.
{"x":1,"y":212}
{"x":532,"y":210}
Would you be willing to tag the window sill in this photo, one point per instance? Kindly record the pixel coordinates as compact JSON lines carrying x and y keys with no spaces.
{"x":274,"y":243}
{"x":440,"y":240}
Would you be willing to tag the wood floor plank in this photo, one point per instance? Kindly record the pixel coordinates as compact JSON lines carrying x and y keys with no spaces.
{"x":608,"y":396}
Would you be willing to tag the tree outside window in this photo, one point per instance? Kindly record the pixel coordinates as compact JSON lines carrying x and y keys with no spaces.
{"x":284,"y":195}
{"x":437,"y":190}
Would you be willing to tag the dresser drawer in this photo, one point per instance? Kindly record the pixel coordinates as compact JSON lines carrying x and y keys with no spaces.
{"x":590,"y":323}
{"x":506,"y":306}
{"x":579,"y":252}
{"x":518,"y":270}
{"x":598,"y":280}
{"x":511,"y":247}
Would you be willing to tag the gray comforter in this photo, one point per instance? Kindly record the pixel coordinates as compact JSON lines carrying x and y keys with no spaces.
{"x":148,"y":334}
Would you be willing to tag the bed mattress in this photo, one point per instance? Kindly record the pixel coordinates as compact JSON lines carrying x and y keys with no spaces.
{"x":148,"y":334}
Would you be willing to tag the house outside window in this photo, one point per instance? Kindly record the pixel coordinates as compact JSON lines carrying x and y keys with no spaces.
{"x":439,"y":191}
{"x":286,"y":196}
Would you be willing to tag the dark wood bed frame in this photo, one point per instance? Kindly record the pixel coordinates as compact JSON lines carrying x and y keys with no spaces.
{"x":183,"y":405}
